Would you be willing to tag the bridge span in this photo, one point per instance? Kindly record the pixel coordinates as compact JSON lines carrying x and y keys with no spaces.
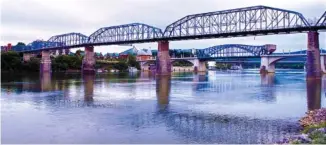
{"x":240,"y":22}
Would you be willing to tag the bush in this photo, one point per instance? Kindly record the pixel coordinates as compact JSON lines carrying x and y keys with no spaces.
{"x":11,"y":61}
{"x":64,"y":62}
{"x":182,"y":63}
{"x":33,"y":65}
{"x":121,"y":66}
{"x":132,"y":62}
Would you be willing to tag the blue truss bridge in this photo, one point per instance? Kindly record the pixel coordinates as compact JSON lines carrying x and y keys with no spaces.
{"x":240,"y":22}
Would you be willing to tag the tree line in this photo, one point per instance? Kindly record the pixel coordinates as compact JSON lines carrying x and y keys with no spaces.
{"x":13,"y":62}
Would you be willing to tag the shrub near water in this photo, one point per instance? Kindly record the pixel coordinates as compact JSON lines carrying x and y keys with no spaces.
{"x":65,"y":62}
{"x":11,"y":61}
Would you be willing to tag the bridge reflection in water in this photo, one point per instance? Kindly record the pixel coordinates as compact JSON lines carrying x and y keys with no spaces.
{"x":163,"y":88}
{"x":313,"y":94}
{"x":219,"y":128}
{"x":199,"y":127}
{"x":88,"y":80}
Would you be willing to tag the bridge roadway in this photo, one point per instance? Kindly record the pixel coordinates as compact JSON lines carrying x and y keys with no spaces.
{"x":240,"y":22}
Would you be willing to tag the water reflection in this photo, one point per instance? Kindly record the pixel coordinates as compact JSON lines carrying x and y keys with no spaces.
{"x":163,"y":87}
{"x":268,"y":89}
{"x":88,"y":80}
{"x":200,"y":78}
{"x":313,"y":94}
{"x":268,"y":79}
{"x":188,"y":108}
{"x":46,"y":84}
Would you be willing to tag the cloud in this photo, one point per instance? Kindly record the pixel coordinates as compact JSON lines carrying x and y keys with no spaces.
{"x":28,"y":20}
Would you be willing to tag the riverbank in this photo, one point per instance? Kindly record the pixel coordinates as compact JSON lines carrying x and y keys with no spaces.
{"x":314,"y":129}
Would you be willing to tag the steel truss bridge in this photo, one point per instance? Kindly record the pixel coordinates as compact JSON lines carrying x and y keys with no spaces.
{"x":232,"y":50}
{"x":256,"y":20}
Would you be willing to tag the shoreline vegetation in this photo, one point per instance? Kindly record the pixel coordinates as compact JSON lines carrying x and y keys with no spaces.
{"x":314,"y":129}
{"x":13,"y":62}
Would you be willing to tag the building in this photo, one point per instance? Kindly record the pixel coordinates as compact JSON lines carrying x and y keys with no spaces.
{"x":144,"y":54}
{"x":126,"y":53}
{"x":6,"y":48}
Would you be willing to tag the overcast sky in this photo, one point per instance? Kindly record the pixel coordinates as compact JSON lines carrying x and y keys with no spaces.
{"x":28,"y":20}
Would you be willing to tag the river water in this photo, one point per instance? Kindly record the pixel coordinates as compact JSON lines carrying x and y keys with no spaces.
{"x":212,"y":107}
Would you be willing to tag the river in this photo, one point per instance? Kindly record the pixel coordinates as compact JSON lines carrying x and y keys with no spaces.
{"x":212,"y":107}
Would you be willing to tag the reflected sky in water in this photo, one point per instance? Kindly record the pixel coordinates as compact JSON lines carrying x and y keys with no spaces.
{"x":212,"y":107}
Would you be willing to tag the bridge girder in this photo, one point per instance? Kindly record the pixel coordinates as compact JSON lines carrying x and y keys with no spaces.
{"x":236,"y":22}
{"x":232,"y":50}
{"x":125,"y":33}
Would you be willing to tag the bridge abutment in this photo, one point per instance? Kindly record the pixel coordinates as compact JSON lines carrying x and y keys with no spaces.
{"x":163,"y":62}
{"x":313,"y":68}
{"x":45,"y":65}
{"x":88,"y":65}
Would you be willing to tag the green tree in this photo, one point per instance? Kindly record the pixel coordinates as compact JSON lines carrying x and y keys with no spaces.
{"x":121,"y":66}
{"x":65,"y":62}
{"x":33,"y":65}
{"x":20,"y":44}
{"x":11,"y":61}
{"x":132,"y":62}
{"x":182,"y":63}
{"x":78,"y":53}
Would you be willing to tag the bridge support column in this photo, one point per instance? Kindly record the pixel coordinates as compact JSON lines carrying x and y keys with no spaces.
{"x":199,"y":66}
{"x":27,"y":56}
{"x":266,"y":66}
{"x":88,"y":65}
{"x":322,"y":64}
{"x":45,"y":65}
{"x":163,"y":62}
{"x":313,"y":68}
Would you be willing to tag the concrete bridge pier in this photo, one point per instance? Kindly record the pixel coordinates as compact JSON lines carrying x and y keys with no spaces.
{"x":88,"y":65}
{"x":313,"y":68}
{"x":267,"y":64}
{"x":199,"y":66}
{"x":45,"y":65}
{"x":163,"y":62}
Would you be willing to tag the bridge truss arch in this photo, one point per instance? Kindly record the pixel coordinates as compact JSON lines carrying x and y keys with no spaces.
{"x":232,"y":50}
{"x":134,"y":32}
{"x":67,"y":40}
{"x":256,"y":20}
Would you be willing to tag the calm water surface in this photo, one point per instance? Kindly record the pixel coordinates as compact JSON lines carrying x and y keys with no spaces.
{"x":214,"y":107}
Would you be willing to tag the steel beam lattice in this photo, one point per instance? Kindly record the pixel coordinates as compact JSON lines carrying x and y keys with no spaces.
{"x":67,"y":40}
{"x":322,"y":20}
{"x":231,"y":50}
{"x":125,"y":33}
{"x":236,"y":22}
{"x":256,"y":20}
